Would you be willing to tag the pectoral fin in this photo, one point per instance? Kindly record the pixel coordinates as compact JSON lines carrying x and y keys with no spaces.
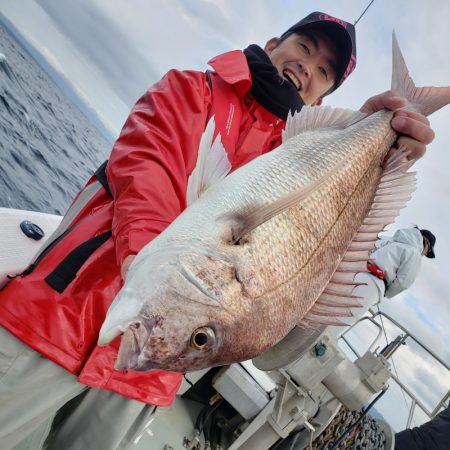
{"x":249,"y":218}
{"x":212,"y":164}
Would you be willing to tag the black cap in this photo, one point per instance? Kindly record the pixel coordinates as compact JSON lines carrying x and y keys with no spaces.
{"x":432,"y":240}
{"x":340,"y":32}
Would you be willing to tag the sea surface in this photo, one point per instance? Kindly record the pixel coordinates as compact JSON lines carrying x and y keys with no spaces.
{"x":48,"y":148}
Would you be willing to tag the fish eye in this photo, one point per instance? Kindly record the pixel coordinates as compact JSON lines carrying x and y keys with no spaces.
{"x":202,"y":338}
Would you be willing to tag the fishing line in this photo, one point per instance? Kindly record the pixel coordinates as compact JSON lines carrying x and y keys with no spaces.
{"x":362,"y":14}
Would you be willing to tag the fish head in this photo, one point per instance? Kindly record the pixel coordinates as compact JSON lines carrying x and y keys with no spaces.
{"x":176,"y":343}
{"x":181,"y":315}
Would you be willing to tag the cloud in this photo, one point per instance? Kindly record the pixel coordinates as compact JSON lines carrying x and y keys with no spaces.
{"x":103,"y":44}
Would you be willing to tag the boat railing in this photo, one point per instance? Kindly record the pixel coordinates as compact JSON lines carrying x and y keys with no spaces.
{"x":415,"y":401}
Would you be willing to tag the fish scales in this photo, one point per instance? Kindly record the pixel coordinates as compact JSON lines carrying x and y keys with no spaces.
{"x":303,"y":227}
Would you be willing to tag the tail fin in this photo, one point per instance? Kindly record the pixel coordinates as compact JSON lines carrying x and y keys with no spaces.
{"x":425,"y":100}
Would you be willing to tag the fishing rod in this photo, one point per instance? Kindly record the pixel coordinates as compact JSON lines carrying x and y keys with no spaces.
{"x":362,"y":14}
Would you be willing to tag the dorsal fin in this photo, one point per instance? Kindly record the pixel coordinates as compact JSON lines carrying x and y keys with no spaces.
{"x":313,"y":117}
{"x":338,"y":294}
{"x":212,"y":164}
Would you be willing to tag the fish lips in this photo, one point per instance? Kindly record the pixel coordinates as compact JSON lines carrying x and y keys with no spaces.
{"x":133,"y":342}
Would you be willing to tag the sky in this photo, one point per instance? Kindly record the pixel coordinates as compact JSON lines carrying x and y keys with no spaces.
{"x":113,"y":50}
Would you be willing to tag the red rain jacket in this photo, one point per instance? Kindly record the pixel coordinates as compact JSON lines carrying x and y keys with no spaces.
{"x":59,"y":306}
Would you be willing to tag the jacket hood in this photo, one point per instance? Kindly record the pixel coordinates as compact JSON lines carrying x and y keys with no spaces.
{"x":410,"y":236}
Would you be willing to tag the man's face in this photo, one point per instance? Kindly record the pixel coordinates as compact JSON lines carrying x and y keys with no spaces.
{"x":308,"y":61}
{"x":426,"y":246}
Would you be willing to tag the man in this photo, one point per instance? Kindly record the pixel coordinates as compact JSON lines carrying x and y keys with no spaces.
{"x":397,"y":260}
{"x":392,"y":268}
{"x":57,"y":306}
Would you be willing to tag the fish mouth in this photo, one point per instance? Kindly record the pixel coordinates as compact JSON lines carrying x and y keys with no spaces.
{"x":132,"y":344}
{"x":132,"y":354}
{"x":290,"y":76}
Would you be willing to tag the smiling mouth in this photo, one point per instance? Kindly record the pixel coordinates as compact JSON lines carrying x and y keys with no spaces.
{"x":290,"y":76}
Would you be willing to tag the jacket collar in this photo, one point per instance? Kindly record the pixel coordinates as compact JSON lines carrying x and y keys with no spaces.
{"x":233,"y":68}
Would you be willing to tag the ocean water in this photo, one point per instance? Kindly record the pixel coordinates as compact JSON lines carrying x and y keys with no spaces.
{"x":48,"y":148}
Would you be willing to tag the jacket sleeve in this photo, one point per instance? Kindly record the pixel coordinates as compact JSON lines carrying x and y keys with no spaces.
{"x":150,"y":162}
{"x":406,"y":272}
{"x":432,"y":435}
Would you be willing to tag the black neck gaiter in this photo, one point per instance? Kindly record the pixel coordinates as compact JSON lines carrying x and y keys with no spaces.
{"x":269,"y":88}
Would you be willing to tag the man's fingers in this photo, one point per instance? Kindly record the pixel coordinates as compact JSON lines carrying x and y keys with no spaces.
{"x":387,"y":100}
{"x":413,"y":115}
{"x":415,"y":148}
{"x":413,"y":127}
{"x":416,"y":132}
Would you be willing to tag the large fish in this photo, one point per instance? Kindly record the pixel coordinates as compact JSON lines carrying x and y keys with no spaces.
{"x":275,"y":244}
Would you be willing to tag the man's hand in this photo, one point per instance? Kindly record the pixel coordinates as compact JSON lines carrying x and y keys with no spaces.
{"x":413,"y":127}
{"x":126,"y":265}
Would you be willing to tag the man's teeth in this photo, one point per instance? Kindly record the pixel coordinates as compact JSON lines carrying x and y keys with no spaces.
{"x":292,"y":78}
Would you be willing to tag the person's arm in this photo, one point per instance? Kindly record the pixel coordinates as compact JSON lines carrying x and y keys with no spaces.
{"x":413,"y":127}
{"x":432,"y":435}
{"x":150,"y":162}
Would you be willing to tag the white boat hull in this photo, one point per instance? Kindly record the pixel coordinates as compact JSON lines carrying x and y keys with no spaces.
{"x":16,"y":249}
